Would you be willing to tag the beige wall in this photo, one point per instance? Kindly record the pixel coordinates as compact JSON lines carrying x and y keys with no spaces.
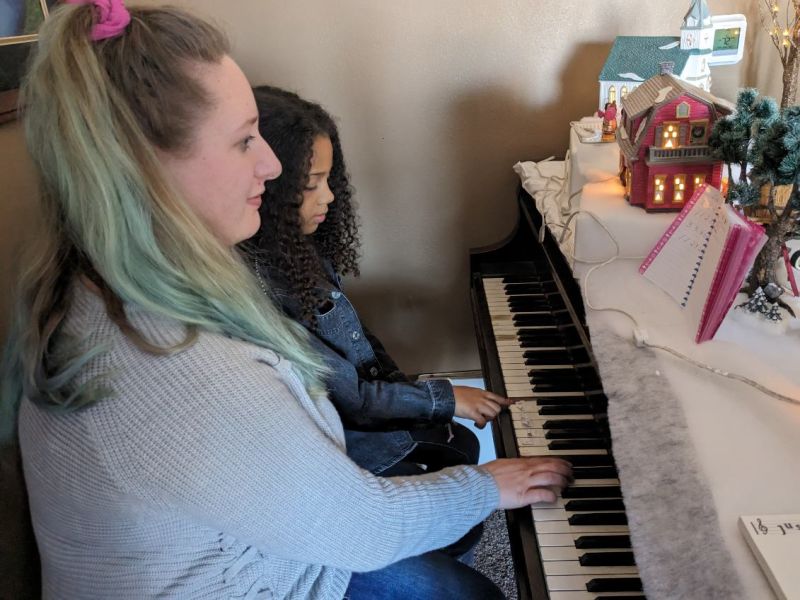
{"x":436,"y":100}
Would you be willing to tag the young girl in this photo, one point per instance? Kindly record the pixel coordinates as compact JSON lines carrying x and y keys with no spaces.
{"x":308,"y":240}
{"x":174,"y":440}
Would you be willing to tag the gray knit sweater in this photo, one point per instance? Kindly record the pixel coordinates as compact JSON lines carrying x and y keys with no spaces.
{"x":213,"y":474}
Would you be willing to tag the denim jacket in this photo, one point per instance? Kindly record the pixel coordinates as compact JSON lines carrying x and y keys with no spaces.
{"x":378,"y":403}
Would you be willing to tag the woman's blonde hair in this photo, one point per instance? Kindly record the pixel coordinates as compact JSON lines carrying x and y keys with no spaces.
{"x":95,"y":112}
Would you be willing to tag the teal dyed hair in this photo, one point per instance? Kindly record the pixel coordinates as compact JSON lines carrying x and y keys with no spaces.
{"x":95,"y":114}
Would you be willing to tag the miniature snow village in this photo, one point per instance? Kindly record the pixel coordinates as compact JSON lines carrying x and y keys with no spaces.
{"x":705,"y":41}
{"x":663,"y":140}
{"x":674,"y":135}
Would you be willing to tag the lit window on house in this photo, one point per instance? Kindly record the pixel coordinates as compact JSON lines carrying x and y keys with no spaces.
{"x":659,"y":185}
{"x":682,"y":111}
{"x":612,"y":94}
{"x":669,"y":135}
{"x":679,"y":189}
{"x":623,"y":92}
{"x":699,"y":180}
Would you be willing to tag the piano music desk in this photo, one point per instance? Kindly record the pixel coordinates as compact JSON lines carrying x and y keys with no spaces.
{"x":746,"y":444}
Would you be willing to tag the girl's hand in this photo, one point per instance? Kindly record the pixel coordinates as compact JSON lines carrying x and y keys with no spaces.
{"x":478,"y":405}
{"x":524,"y":481}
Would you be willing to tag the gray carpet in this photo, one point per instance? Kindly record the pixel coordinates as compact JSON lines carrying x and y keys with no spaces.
{"x":493,"y":554}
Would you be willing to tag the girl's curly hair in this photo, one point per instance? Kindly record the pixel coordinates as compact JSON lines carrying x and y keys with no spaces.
{"x":290,"y":125}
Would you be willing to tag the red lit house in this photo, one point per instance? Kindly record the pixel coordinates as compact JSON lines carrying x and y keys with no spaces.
{"x":663,"y":135}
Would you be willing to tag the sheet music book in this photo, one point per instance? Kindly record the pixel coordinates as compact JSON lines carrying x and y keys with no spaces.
{"x":775,"y":542}
{"x":703,"y":258}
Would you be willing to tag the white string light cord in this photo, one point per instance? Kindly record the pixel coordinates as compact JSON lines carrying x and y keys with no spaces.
{"x":639,"y":333}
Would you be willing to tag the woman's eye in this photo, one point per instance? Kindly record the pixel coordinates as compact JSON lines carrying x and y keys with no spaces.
{"x":245,"y":143}
{"x":310,"y":188}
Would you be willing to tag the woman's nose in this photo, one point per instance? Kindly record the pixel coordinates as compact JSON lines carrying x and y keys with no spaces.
{"x":268,"y":166}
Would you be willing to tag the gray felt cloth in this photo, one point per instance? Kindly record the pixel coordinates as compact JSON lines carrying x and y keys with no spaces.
{"x":674,"y":527}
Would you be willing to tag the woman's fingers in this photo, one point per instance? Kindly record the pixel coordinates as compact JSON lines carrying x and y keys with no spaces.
{"x":523,"y":481}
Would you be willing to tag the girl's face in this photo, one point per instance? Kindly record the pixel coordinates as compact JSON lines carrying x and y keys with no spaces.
{"x":222,"y":176}
{"x":317,"y":195}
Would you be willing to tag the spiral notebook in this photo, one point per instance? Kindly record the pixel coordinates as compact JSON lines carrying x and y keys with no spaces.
{"x":703,"y":258}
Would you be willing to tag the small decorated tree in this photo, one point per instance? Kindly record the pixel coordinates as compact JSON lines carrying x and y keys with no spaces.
{"x":775,"y":156}
{"x":760,"y":135}
{"x":783,"y":26}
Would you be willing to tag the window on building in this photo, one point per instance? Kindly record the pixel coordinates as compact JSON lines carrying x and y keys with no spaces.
{"x":699,"y":180}
{"x":623,"y":92}
{"x":698,"y":133}
{"x":612,"y":93}
{"x":679,"y":189}
{"x":669,"y":135}
{"x":659,"y":189}
{"x":682,"y":112}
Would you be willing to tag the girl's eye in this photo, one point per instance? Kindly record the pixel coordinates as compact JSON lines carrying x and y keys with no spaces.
{"x":245,"y":143}
{"x":310,"y":188}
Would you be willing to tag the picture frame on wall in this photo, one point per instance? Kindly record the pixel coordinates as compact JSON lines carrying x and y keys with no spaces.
{"x":19,"y":22}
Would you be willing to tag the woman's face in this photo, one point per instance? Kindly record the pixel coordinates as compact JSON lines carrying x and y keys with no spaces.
{"x":222,"y":176}
{"x":317,"y":195}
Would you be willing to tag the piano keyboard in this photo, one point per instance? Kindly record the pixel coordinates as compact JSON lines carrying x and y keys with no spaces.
{"x":561,"y":411}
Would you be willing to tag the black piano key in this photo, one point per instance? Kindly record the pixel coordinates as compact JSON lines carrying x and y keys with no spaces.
{"x":607,"y":559}
{"x":570,"y":409}
{"x":602,"y":518}
{"x":599,"y":491}
{"x":593,"y":406}
{"x":557,"y":357}
{"x":542,"y":287}
{"x":588,"y":542}
{"x":529,"y":340}
{"x":557,"y":386}
{"x":594,"y":473}
{"x":614,"y":584}
{"x":594,"y":504}
{"x":570,"y":424}
{"x":586,"y":375}
{"x":535,"y":272}
{"x":537,"y":320}
{"x":589,"y":460}
{"x":577,"y":445}
{"x":596,"y":433}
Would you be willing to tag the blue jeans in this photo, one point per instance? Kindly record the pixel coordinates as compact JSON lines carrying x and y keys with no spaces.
{"x":12,"y":17}
{"x":431,"y":576}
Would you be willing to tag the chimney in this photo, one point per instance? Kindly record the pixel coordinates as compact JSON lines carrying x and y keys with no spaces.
{"x":667,"y":68}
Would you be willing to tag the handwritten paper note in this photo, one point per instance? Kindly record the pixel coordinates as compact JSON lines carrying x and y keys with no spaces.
{"x":775,"y":542}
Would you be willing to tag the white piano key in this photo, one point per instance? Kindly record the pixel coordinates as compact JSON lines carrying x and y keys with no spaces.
{"x":529,"y":433}
{"x":532,"y":451}
{"x":573,"y":567}
{"x":556,"y":540}
{"x":555,"y":513}
{"x":584,"y":595}
{"x":547,"y":527}
{"x":560,"y":502}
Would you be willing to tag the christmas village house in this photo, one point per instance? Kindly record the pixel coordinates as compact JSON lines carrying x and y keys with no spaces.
{"x":705,"y":41}
{"x":663,"y":136}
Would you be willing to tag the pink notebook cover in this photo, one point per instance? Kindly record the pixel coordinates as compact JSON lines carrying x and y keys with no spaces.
{"x":742,"y":241}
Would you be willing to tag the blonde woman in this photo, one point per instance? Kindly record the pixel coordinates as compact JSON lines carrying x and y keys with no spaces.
{"x":174,"y":438}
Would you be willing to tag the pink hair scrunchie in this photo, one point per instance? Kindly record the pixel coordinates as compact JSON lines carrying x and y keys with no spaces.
{"x":111,"y":18}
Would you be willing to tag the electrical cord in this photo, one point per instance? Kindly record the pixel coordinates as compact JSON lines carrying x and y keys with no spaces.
{"x":640,"y":337}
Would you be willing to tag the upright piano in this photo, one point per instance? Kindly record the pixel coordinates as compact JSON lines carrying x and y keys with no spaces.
{"x":535,"y":347}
